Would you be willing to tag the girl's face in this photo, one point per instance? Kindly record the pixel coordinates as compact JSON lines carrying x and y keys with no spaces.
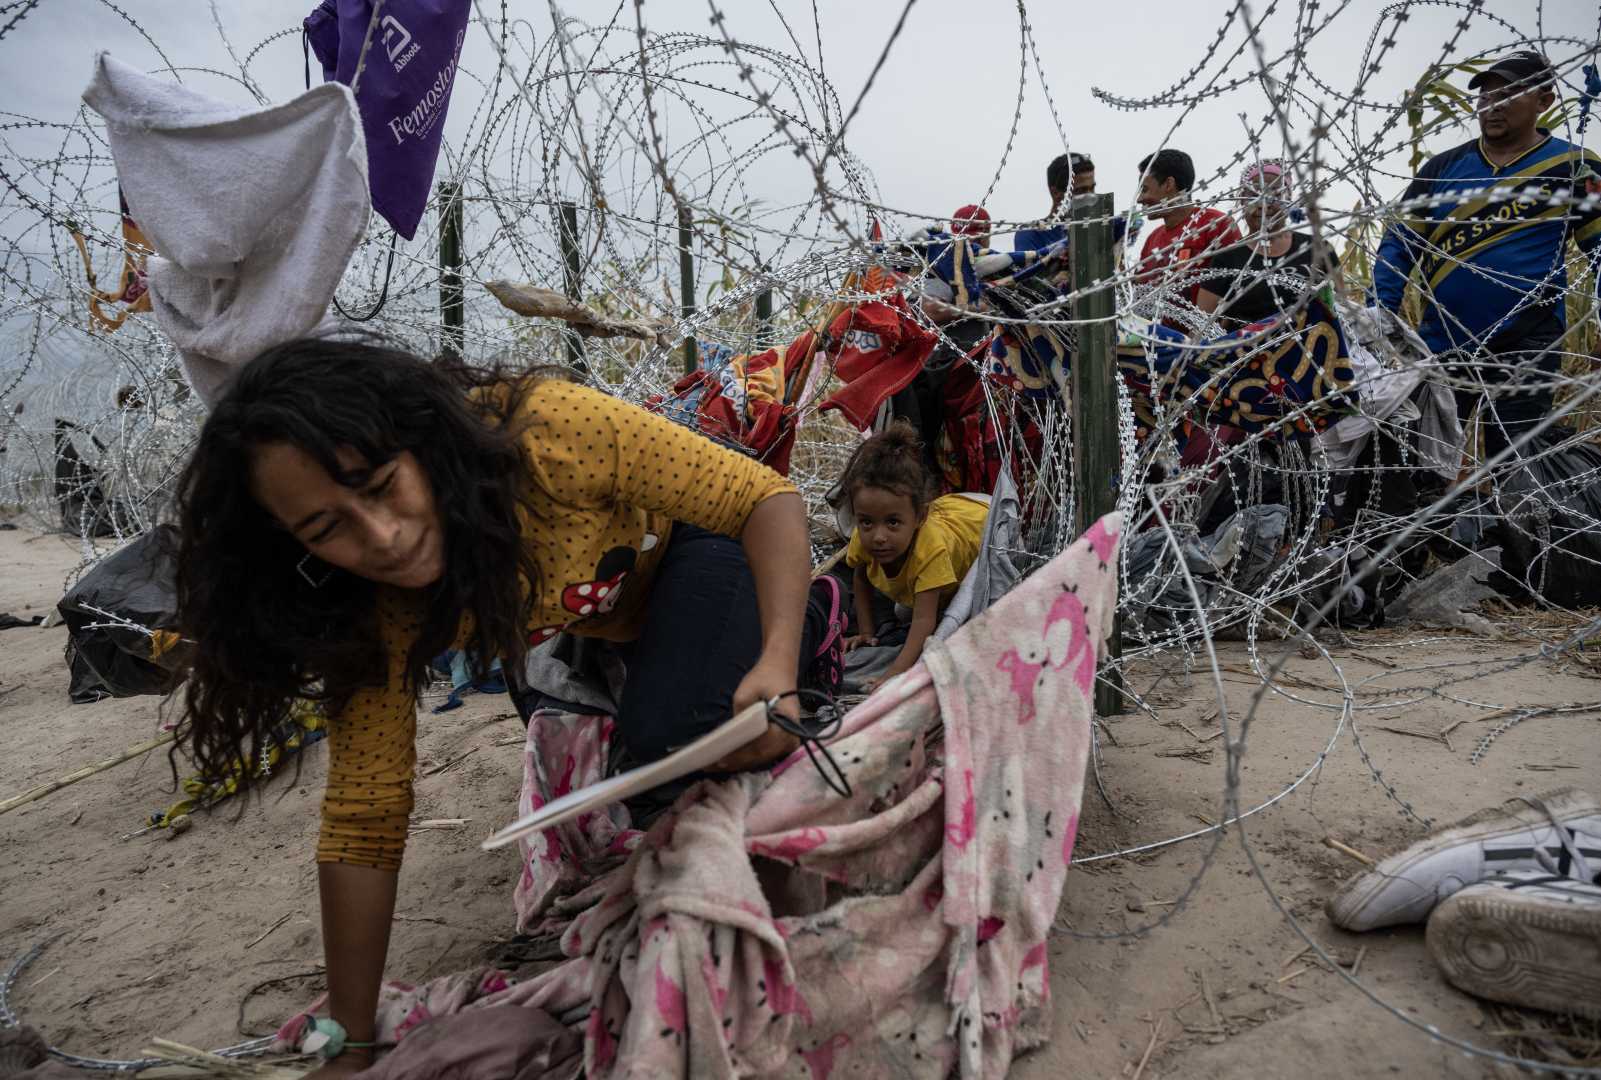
{"x":387,"y":530}
{"x":887,"y":521}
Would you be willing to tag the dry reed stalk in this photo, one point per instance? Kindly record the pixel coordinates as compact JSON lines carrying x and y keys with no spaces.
{"x":84,"y":773}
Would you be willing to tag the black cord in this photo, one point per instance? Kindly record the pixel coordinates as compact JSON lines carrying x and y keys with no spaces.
{"x":383,"y":294}
{"x":813,"y":730}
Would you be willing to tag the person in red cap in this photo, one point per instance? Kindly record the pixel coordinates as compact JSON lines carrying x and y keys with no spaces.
{"x":972,"y":222}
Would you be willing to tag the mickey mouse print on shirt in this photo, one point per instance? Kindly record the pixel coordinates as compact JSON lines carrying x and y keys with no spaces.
{"x":596,"y":598}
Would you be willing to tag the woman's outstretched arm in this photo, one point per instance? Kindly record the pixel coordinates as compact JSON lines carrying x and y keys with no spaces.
{"x":358,"y":905}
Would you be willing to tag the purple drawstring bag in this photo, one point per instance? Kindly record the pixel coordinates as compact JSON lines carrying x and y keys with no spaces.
{"x":403,"y":93}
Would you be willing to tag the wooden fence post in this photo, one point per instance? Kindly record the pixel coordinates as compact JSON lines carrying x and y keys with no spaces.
{"x":1096,"y":466}
{"x":452,"y":302}
{"x":572,"y":281}
{"x":686,"y":285}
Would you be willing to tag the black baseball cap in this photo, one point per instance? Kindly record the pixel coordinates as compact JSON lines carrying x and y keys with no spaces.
{"x":1525,"y":68}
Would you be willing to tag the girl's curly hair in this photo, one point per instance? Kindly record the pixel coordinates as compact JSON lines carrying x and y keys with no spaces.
{"x":264,"y":635}
{"x":892,"y":460}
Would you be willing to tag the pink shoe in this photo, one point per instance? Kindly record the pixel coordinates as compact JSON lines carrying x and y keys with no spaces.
{"x":827,"y":670}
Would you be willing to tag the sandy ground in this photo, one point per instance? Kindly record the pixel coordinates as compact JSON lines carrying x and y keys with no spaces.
{"x":165,"y":937}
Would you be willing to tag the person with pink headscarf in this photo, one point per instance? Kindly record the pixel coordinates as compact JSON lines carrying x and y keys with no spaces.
{"x":1249,"y":285}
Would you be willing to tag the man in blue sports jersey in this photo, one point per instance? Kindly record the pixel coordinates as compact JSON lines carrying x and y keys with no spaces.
{"x":1490,"y":255}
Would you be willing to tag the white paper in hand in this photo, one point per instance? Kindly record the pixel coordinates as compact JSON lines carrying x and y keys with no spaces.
{"x":713,"y":746}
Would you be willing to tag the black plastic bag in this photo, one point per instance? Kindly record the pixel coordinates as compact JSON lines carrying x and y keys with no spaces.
{"x":134,"y":585}
{"x":1548,"y":522}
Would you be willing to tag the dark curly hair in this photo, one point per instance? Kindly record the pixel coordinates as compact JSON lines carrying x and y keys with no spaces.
{"x":892,"y":460}
{"x":263,"y":634}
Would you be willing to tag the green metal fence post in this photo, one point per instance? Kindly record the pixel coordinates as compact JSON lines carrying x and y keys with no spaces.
{"x":1094,"y":405}
{"x":572,"y":281}
{"x":686,"y":284}
{"x":452,"y":301}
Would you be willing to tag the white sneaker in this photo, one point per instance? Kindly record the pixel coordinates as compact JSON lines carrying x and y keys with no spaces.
{"x":1527,"y":938}
{"x":1538,"y":832}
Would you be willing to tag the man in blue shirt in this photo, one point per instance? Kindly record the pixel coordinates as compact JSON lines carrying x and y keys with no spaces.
{"x":1067,"y":173}
{"x":1491,"y":253}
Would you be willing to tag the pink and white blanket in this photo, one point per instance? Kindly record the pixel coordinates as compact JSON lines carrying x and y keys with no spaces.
{"x":944,"y":868}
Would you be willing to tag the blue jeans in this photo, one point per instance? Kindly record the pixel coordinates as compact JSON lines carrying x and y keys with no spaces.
{"x":701,"y":636}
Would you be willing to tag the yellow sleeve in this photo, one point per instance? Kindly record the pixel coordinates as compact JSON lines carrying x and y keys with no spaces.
{"x":934,"y":568}
{"x":372,"y":753}
{"x":590,"y":450}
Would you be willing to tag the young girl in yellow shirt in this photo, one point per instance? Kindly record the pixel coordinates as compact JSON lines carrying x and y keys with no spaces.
{"x":905,"y":543}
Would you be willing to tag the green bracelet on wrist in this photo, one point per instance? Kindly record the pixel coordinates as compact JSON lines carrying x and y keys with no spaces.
{"x":327,"y":1039}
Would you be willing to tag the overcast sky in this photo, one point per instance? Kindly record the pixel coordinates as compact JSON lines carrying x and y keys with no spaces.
{"x":935,"y":126}
{"x":934,"y":130}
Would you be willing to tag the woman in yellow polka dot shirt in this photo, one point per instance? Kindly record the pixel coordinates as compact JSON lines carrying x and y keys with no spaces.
{"x":350,"y":512}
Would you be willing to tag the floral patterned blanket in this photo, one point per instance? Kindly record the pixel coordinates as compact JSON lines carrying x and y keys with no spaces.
{"x":913,"y":934}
